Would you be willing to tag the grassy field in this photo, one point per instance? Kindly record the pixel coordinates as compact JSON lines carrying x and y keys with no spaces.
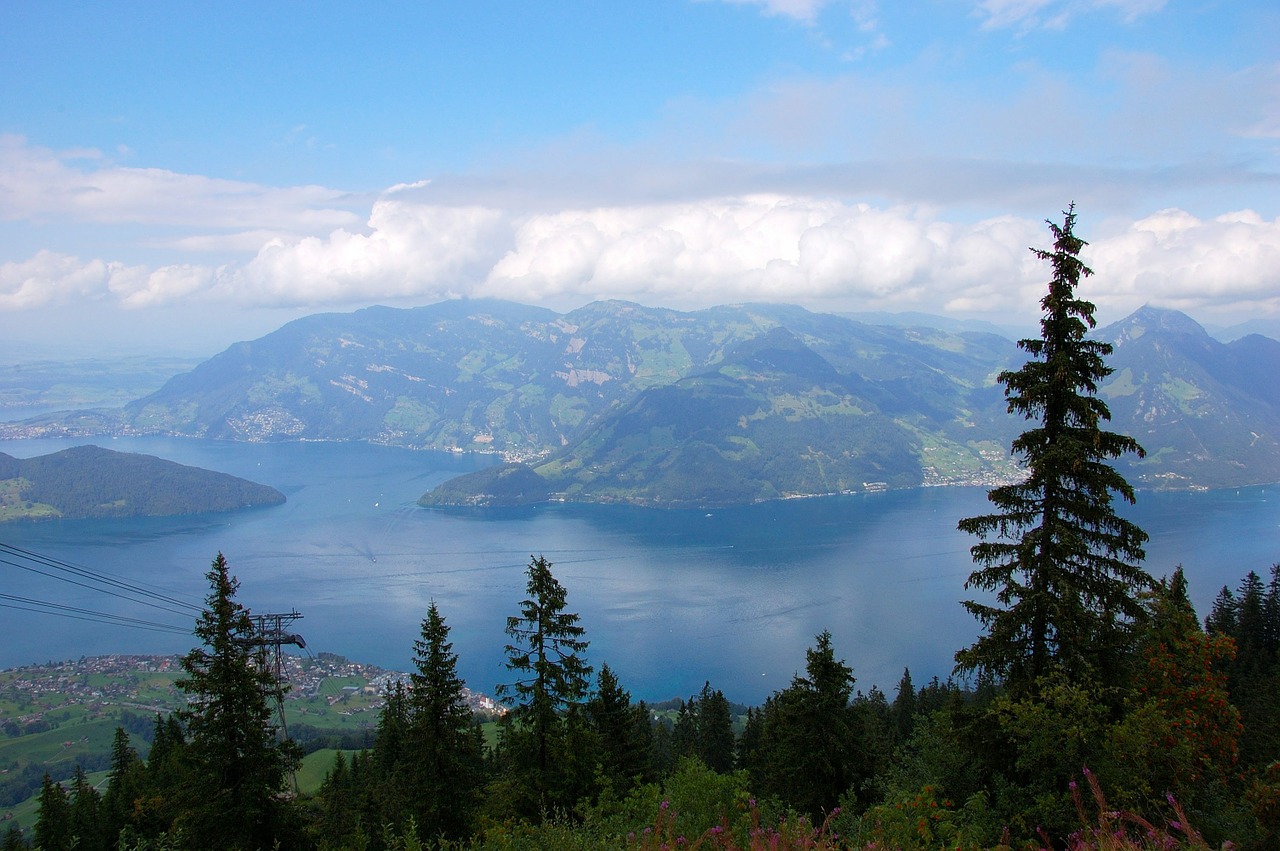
{"x":56,"y":716}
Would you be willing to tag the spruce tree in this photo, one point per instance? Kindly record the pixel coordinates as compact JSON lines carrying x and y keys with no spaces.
{"x":386,"y":793}
{"x":554,"y":676}
{"x":238,"y":767}
{"x":86,"y":815}
{"x":903,"y":709}
{"x":704,"y":729}
{"x":623,"y":729}
{"x":53,"y":830}
{"x":124,"y":785}
{"x":1251,"y":617}
{"x":1064,"y":567}
{"x":810,"y":744}
{"x":13,"y":839}
{"x":442,"y":753}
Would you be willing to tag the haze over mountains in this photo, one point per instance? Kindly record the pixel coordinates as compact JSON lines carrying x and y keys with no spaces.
{"x":618,"y":402}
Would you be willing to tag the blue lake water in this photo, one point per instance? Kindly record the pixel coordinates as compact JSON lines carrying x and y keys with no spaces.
{"x":669,"y":599}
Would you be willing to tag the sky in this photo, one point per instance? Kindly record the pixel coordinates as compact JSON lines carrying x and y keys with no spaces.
{"x":178,"y":176}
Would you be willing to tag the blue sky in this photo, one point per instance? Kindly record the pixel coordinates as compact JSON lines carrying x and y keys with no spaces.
{"x":183,"y":175}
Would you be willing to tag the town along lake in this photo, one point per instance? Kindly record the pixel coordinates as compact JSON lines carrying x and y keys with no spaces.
{"x":669,"y":599}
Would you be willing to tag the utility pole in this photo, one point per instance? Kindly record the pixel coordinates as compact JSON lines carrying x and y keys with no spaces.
{"x":270,"y":631}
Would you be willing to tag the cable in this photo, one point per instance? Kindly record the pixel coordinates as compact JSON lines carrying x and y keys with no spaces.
{"x":79,"y":614}
{"x":153,"y":598}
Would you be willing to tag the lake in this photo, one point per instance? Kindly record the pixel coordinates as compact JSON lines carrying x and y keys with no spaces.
{"x":670,"y":599}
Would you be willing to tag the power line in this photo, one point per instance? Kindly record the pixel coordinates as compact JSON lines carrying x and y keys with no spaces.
{"x":75,"y":613}
{"x":95,"y":581}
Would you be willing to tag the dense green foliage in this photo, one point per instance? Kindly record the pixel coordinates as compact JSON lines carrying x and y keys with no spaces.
{"x":818,"y":766}
{"x":88,"y":481}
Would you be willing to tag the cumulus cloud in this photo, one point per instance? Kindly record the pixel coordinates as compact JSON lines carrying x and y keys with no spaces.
{"x":53,"y":278}
{"x":39,"y":184}
{"x":411,"y":250}
{"x":809,"y":250}
{"x":1174,"y":259}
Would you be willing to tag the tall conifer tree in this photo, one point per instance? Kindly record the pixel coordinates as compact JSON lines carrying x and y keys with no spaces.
{"x":1065,"y":568}
{"x":238,"y":766}
{"x":443,"y":753}
{"x":810,"y":749}
{"x":546,"y":654}
{"x":53,"y":830}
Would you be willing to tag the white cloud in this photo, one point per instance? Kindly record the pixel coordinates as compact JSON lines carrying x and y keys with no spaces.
{"x":39,"y":184}
{"x":1174,"y":259}
{"x":1055,"y":14}
{"x":800,"y":10}
{"x":803,"y":249}
{"x":52,"y":278}
{"x":412,"y":250}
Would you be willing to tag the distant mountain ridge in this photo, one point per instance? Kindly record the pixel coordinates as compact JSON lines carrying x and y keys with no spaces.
{"x":619,"y":402}
{"x":1208,"y":413}
{"x":92,"y":482}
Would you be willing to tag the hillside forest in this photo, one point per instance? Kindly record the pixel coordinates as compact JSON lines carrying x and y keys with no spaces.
{"x":1095,"y":710}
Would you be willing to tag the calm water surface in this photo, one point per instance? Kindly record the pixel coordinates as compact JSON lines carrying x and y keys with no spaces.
{"x":669,"y":599}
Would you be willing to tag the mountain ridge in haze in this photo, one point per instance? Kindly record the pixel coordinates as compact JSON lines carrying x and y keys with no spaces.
{"x":619,"y":402}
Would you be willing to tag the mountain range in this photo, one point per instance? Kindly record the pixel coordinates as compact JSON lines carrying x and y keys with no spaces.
{"x":619,"y":402}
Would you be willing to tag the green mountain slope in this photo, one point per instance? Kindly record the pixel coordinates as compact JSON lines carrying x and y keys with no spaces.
{"x":1207,"y":413}
{"x":774,"y":419}
{"x":87,"y":481}
{"x":615,"y":401}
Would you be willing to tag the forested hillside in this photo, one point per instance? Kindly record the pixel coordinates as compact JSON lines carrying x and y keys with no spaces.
{"x":88,"y":481}
{"x":1179,"y":754}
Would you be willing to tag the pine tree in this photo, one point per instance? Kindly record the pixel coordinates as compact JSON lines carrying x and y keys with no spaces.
{"x":1222,"y":616}
{"x":86,"y":814}
{"x":124,"y":785}
{"x":53,"y":831}
{"x":903,"y":709}
{"x":546,"y":652}
{"x":704,"y":729}
{"x":442,"y":752}
{"x":385,"y":792}
{"x":336,"y":802}
{"x":238,"y":766}
{"x":1251,"y":616}
{"x":810,"y":743}
{"x":13,"y":839}
{"x":1063,"y":565}
{"x":623,"y":730}
{"x":1181,"y":678}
